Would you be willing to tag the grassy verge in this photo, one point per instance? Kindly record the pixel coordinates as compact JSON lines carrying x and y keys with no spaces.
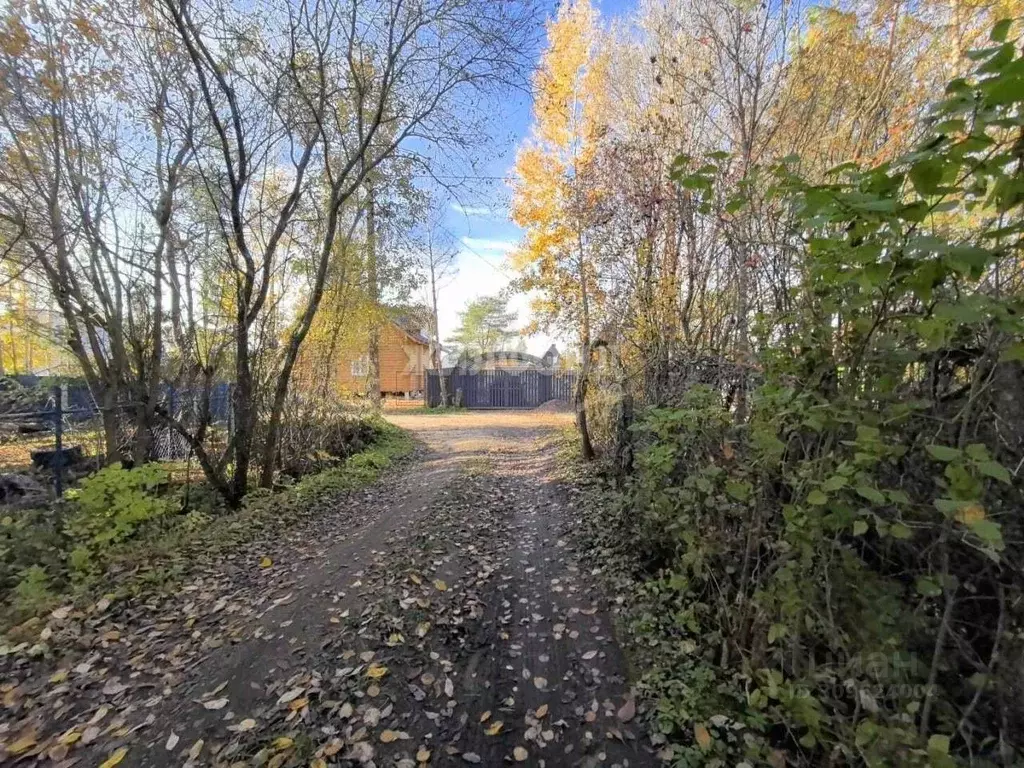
{"x":163,"y":551}
{"x":424,"y":410}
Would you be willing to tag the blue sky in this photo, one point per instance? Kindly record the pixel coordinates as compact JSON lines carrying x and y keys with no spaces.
{"x":479,"y":221}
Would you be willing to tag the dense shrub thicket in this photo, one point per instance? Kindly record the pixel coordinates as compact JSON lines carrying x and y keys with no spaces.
{"x":827,"y":558}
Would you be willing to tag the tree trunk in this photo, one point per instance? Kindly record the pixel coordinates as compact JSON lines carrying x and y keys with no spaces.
{"x":584,"y":380}
{"x":298,"y":335}
{"x":108,"y":412}
{"x":242,"y":409}
{"x":150,"y":377}
{"x":373,"y":383}
{"x":435,"y":341}
{"x":580,"y":402}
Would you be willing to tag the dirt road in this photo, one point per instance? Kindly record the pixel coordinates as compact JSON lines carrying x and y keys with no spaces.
{"x":438,"y":617}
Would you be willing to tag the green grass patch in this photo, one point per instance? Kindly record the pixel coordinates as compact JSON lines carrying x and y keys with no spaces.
{"x":425,"y":410}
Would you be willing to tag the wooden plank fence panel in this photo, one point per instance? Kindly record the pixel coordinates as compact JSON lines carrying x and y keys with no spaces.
{"x":502,"y":389}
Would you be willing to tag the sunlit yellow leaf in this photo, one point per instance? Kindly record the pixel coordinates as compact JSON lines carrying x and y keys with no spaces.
{"x":971,"y":514}
{"x":69,"y":736}
{"x":22,"y":744}
{"x":115,"y":758}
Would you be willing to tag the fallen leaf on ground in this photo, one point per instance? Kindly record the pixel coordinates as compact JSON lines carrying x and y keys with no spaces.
{"x":114,"y":687}
{"x":69,"y":736}
{"x":627,"y":711}
{"x":115,"y":758}
{"x":22,"y":744}
{"x":289,"y":696}
{"x":494,"y":728}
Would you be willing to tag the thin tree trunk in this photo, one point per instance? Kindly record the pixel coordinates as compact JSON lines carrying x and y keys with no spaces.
{"x":242,"y":407}
{"x":111,"y":442}
{"x":373,"y":384}
{"x":586,"y":446}
{"x":298,"y":335}
{"x":435,"y":341}
{"x":151,"y":377}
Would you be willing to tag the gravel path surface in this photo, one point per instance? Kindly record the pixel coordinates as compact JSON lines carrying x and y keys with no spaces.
{"x":436,"y":618}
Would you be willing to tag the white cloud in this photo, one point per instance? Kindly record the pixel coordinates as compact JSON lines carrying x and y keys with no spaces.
{"x":472,"y":210}
{"x":488,"y":246}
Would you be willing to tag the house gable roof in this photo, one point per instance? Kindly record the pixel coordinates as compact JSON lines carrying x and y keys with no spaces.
{"x":405,"y":325}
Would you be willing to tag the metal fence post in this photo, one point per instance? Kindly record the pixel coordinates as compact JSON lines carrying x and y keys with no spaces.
{"x":58,"y":431}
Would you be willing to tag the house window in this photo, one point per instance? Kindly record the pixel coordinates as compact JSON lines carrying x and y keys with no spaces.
{"x":361,"y":367}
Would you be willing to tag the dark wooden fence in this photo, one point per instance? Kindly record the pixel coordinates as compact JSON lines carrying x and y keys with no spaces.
{"x":502,"y":389}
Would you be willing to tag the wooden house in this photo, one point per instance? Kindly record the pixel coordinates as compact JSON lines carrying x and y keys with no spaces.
{"x":404,"y":357}
{"x":341,"y":366}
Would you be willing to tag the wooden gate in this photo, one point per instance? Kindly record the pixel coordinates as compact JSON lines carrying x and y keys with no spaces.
{"x":502,"y":389}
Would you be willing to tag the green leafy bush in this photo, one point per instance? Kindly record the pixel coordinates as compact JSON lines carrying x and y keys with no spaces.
{"x":108,"y":508}
{"x":30,"y":537}
{"x":33,"y":594}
